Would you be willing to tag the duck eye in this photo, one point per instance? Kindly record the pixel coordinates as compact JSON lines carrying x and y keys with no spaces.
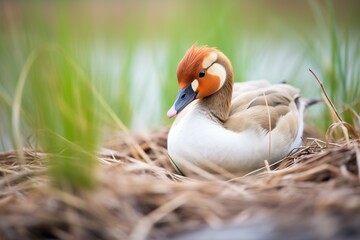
{"x":202,"y":74}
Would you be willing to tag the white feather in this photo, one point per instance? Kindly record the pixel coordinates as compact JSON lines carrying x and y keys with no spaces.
{"x":198,"y":139}
{"x":219,"y":71}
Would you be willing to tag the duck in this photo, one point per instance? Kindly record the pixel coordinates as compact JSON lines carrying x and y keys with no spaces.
{"x":233,"y":126}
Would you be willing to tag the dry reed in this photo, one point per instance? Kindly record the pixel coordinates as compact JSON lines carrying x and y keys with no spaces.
{"x":140,"y":200}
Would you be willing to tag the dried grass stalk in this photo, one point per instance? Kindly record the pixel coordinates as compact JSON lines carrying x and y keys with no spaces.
{"x":140,"y":200}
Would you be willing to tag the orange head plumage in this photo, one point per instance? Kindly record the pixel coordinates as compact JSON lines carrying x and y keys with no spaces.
{"x":200,"y":73}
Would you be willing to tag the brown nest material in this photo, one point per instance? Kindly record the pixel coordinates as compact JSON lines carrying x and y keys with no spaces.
{"x":313,"y":193}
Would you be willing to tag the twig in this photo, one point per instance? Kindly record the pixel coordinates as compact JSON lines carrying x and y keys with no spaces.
{"x":142,"y":229}
{"x":357,"y":155}
{"x":343,"y":125}
{"x":327,"y":96}
{"x":269,"y":121}
{"x":25,"y":174}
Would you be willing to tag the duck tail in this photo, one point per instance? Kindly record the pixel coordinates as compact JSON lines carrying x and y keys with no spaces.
{"x":304,"y":103}
{"x":310,"y":102}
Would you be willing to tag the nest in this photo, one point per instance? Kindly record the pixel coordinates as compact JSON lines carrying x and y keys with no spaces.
{"x":313,"y":193}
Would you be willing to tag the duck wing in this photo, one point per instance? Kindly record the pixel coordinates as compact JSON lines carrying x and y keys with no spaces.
{"x":263,"y":106}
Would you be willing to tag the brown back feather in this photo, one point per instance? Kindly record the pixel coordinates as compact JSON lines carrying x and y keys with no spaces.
{"x":253,"y":109}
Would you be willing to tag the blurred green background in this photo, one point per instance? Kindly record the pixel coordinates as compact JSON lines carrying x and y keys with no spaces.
{"x":73,"y":71}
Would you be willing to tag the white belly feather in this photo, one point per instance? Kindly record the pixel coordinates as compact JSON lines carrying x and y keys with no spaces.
{"x":199,"y":140}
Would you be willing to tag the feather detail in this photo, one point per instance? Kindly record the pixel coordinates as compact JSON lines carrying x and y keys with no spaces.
{"x":253,"y":108}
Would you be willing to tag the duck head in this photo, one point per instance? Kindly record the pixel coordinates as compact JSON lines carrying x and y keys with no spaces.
{"x":201,"y":73}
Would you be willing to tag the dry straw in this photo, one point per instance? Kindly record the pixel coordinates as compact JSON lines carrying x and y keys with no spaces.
{"x":313,"y":193}
{"x":138,"y":200}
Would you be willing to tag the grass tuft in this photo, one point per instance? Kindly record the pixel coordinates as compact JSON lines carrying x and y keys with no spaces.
{"x":62,"y":116}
